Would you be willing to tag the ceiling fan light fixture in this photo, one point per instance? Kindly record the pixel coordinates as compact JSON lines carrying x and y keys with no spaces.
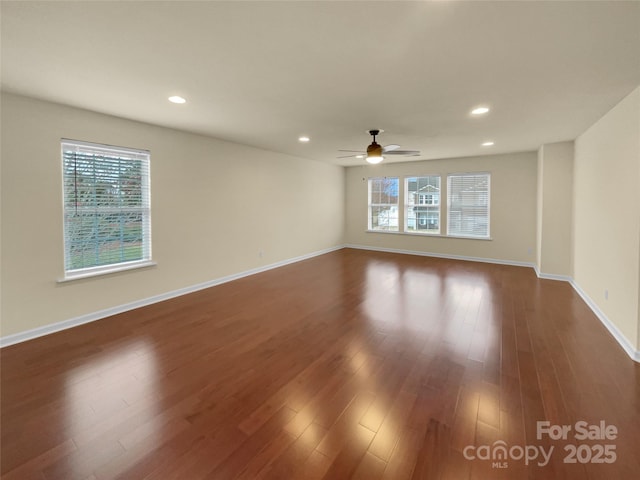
{"x":374,"y":153}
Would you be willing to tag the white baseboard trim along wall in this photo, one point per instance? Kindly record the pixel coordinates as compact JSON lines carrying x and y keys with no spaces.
{"x":624,"y":342}
{"x":552,"y":276}
{"x":440,"y":255}
{"x":91,"y":317}
{"x":608,"y":324}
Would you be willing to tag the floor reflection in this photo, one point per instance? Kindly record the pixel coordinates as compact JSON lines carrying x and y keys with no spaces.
{"x":108,"y":394}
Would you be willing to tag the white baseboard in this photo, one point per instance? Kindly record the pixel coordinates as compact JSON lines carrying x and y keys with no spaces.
{"x":608,"y":324}
{"x":92,"y":317}
{"x":441,"y":255}
{"x":624,"y":342}
{"x":552,"y":276}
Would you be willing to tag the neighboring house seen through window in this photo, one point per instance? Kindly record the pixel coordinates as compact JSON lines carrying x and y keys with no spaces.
{"x":107,"y":210}
{"x":468,"y":205}
{"x":422,"y":204}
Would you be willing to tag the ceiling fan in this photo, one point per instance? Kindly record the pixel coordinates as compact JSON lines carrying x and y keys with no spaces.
{"x":374,"y":153}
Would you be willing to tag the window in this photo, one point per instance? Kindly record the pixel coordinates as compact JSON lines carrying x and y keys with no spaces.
{"x":107,"y":211}
{"x":468,"y":204}
{"x":383,"y":204}
{"x":427,"y":199}
{"x":422,"y":204}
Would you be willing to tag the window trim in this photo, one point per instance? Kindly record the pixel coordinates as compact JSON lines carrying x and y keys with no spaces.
{"x":444,"y":214}
{"x":91,"y":272}
{"x":99,"y":270}
{"x":430,"y":235}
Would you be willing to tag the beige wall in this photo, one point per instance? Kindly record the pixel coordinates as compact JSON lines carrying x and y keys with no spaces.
{"x":513,"y":207}
{"x":606,"y":251}
{"x":555,"y":199}
{"x":215,"y":206}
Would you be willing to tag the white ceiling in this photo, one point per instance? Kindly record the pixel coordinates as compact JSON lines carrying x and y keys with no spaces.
{"x":263,"y":73}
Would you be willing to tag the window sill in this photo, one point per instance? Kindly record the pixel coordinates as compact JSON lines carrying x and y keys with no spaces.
{"x":99,"y":271}
{"x":429,"y":235}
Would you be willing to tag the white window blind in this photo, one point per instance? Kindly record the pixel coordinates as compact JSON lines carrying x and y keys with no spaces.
{"x":107,"y":209}
{"x":422,"y":204}
{"x":383,"y":204}
{"x":468,"y":204}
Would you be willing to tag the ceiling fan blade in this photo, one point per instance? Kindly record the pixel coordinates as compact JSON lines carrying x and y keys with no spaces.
{"x":353,"y":156}
{"x":354,"y":151}
{"x":404,"y":152}
{"x":391,"y":147}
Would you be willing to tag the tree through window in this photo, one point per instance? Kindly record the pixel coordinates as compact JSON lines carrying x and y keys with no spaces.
{"x":383,"y":204}
{"x":107,"y":211}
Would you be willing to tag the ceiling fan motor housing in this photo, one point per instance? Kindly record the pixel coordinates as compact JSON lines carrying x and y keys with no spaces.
{"x":374,"y":150}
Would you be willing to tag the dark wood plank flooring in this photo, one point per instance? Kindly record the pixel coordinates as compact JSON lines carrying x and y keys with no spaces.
{"x":353,"y":364}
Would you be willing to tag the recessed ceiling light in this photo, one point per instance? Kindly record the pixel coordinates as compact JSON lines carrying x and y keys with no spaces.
{"x":487,"y":144}
{"x":177,"y":99}
{"x":303,"y":139}
{"x":480,"y":110}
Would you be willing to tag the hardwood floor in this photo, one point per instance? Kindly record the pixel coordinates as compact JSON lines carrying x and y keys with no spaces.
{"x":354,"y":364}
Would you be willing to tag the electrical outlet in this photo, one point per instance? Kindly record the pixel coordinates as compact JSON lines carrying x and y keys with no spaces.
{"x":260,"y":253}
{"x":606,"y":294}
